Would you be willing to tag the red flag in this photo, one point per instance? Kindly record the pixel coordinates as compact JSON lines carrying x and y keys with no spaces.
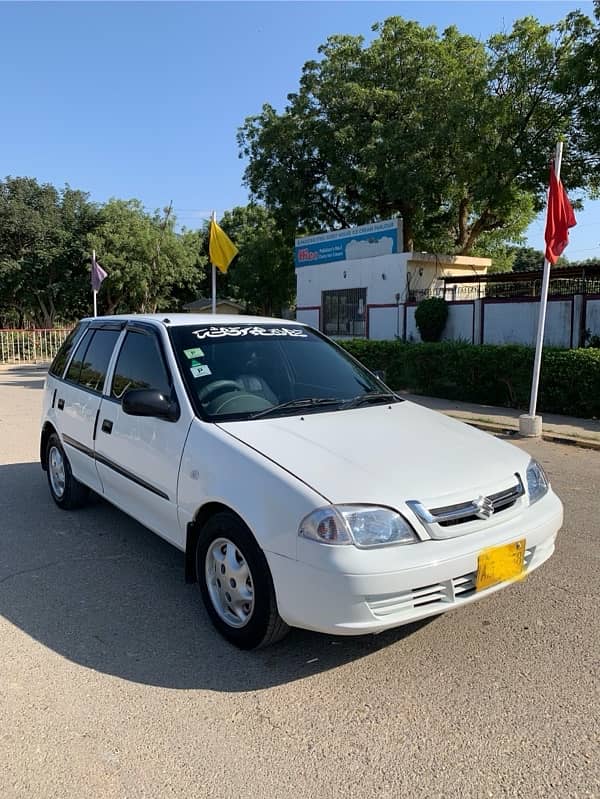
{"x":559,"y":219}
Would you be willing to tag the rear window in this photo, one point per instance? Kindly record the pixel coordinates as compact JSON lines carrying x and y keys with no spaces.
{"x":57,"y":368}
{"x":97,"y":358}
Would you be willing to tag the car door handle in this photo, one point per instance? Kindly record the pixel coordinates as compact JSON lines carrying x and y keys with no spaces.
{"x":107,"y":426}
{"x":61,"y":404}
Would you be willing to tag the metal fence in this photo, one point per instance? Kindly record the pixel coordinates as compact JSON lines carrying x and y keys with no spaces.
{"x":451,"y":293}
{"x":30,"y":346}
{"x":558,"y":287}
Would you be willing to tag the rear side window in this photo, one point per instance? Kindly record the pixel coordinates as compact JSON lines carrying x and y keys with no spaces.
{"x":57,"y":367}
{"x":88,"y":367}
{"x":140,"y":365}
{"x":75,"y":366}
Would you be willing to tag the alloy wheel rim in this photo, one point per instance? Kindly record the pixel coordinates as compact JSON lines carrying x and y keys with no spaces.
{"x":56,"y":466}
{"x":229,"y":582}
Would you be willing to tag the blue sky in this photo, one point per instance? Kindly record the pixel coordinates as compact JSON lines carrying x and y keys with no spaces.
{"x":144,"y":99}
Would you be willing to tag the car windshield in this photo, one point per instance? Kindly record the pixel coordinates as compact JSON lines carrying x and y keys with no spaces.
{"x":246,"y":371}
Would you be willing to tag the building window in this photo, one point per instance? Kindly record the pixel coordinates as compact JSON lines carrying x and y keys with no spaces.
{"x":345,"y":313}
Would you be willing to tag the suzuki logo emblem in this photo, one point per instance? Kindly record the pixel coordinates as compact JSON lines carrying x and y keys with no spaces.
{"x":484,"y":508}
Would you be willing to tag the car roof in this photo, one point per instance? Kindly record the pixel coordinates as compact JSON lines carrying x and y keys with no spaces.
{"x":179,"y":319}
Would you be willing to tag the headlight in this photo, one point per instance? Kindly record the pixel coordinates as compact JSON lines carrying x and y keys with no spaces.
{"x":537,"y":482}
{"x":361,"y":525}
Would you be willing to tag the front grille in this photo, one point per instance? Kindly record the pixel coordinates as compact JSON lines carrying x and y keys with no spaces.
{"x":448,"y":592}
{"x":502,"y":500}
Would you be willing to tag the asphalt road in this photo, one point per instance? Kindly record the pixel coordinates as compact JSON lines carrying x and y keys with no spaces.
{"x":113,"y":683}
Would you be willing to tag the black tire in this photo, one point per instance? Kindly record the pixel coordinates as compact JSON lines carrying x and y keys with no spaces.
{"x":75,"y":494}
{"x":264,"y":626}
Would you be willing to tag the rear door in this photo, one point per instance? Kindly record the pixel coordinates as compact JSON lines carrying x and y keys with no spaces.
{"x":138,"y":457}
{"x":78,"y":398}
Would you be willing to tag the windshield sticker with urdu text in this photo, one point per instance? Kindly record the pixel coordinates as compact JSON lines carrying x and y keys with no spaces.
{"x":233,"y":332}
{"x":196,"y":352}
{"x":200,"y":371}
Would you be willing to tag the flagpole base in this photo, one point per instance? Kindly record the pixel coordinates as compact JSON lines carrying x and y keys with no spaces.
{"x":530,"y":426}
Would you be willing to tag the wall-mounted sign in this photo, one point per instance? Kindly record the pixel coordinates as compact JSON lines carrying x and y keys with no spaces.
{"x":364,"y":241}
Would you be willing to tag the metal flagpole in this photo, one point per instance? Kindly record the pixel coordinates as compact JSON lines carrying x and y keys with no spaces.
{"x":94,"y":292}
{"x":214,"y":271}
{"x":531,"y":425}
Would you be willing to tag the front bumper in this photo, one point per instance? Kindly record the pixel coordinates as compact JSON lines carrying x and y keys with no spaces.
{"x":345,"y":591}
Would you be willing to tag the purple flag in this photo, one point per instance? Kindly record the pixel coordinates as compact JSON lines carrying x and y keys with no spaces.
{"x":98,"y":274}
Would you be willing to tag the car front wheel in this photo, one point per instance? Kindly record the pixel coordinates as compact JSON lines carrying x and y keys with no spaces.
{"x":67,"y":492}
{"x":236,"y":584}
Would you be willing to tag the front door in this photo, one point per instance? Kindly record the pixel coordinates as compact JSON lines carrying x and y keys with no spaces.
{"x":138,"y":457}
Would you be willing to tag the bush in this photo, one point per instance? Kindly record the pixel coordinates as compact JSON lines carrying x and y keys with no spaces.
{"x":431,"y":317}
{"x":488,"y":374}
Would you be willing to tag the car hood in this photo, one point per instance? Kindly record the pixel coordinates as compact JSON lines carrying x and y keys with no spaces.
{"x":385,"y":454}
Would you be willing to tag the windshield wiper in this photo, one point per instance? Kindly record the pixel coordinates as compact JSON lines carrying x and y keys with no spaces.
{"x":297,"y":404}
{"x":371,"y":397}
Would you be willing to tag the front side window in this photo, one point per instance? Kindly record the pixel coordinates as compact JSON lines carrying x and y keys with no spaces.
{"x":244,"y":371}
{"x":140,"y":365}
{"x":90,"y":363}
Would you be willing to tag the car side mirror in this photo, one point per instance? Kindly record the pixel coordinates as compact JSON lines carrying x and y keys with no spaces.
{"x":149,"y":402}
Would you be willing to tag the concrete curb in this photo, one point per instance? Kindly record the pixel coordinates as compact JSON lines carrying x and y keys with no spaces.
{"x":496,"y":427}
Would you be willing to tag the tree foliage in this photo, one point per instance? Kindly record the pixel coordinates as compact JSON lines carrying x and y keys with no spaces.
{"x":453,"y":134}
{"x":46,"y":239}
{"x":262,"y":276}
{"x":146,"y":260}
{"x":528,"y":259}
{"x":584,"y":72}
{"x":42,"y":249}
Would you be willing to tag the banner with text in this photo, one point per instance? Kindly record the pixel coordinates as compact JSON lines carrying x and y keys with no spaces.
{"x":364,"y":241}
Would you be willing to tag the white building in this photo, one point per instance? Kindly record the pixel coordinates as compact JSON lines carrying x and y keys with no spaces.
{"x":356,"y":283}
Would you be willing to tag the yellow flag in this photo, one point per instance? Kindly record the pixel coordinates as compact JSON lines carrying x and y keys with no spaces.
{"x":221,"y":249}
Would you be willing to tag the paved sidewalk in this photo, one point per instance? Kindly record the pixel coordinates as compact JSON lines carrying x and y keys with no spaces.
{"x":561,"y":429}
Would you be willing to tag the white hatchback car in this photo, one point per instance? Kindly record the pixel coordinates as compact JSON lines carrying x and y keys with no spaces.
{"x":302,"y":490}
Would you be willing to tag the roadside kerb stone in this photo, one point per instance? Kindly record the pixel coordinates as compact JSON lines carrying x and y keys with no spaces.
{"x":561,"y":430}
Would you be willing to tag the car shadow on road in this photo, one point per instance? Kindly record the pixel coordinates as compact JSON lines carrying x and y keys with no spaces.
{"x":103,"y":591}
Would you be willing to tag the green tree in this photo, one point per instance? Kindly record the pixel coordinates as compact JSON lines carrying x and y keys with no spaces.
{"x":584,"y":71}
{"x":147,"y":262}
{"x":262,"y":276}
{"x":452,"y":134}
{"x":528,"y":259}
{"x":42,"y":250}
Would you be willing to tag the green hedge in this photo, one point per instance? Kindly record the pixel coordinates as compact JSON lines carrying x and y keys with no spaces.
{"x":488,"y":374}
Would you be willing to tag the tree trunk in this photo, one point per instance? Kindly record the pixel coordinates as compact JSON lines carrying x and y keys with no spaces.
{"x":46,"y":320}
{"x":463,"y":221}
{"x":407,"y":233}
{"x":111,"y":303}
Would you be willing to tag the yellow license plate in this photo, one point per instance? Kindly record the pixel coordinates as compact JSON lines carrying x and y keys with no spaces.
{"x":498,"y":564}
